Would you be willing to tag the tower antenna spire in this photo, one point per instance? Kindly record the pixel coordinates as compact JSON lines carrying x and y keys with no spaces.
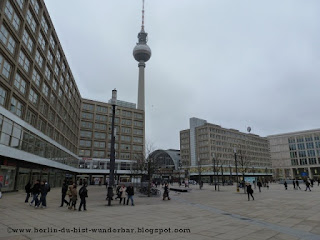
{"x":142,"y":26}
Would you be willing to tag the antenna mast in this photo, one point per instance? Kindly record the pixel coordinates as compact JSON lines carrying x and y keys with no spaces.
{"x":142,"y":26}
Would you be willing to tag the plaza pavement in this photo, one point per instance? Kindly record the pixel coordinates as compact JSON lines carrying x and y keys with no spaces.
{"x":198,"y":214}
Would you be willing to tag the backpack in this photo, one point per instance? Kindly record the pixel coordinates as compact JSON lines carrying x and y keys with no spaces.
{"x":48,"y":187}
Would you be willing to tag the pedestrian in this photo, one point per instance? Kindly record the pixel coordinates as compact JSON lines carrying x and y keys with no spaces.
{"x":166,"y":192}
{"x":285,"y":185}
{"x":259,"y":184}
{"x":249,"y":191}
{"x":297,"y":184}
{"x":294,"y":184}
{"x":311,"y":182}
{"x":123,"y":194}
{"x":118,"y":193}
{"x":74,"y":196}
{"x":83,"y":193}
{"x":35,"y":190}
{"x":254,"y":184}
{"x":308,"y":185}
{"x":64,"y":190}
{"x":44,"y":189}
{"x":130,"y":192}
{"x":318,"y":181}
{"x":28,"y":191}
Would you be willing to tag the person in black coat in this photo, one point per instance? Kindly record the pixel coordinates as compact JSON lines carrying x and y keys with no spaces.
{"x":259,"y":184}
{"x":35,"y":190}
{"x":64,"y":190}
{"x":44,"y":189}
{"x":28,"y":191}
{"x":130,"y":191}
{"x":166,"y":192}
{"x":249,"y":191}
{"x":83,"y":193}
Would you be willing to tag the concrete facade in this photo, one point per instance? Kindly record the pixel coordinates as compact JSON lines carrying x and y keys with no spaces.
{"x":295,"y":154}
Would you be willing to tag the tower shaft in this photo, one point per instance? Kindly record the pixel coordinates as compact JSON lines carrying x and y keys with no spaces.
{"x":141,"y":96}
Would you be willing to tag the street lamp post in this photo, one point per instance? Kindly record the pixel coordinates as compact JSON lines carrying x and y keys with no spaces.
{"x":112,"y":151}
{"x":199,"y":168}
{"x":180,"y":165}
{"x":214,"y":171}
{"x":235,"y":160}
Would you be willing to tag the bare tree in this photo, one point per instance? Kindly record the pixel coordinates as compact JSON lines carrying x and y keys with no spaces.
{"x":243,"y":164}
{"x":145,"y":165}
{"x":215,"y":169}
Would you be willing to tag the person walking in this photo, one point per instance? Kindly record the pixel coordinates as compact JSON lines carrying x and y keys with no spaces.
{"x":28,"y":191}
{"x":130,"y":192}
{"x":35,"y":193}
{"x":259,"y":184}
{"x":249,"y":191}
{"x":166,"y":192}
{"x":64,"y":190}
{"x":294,"y":184}
{"x":285,"y":185}
{"x":0,"y":190}
{"x":74,"y":196}
{"x":308,"y":185}
{"x":44,"y":189}
{"x":83,"y":193}
{"x":123,"y":194}
{"x":297,"y":184}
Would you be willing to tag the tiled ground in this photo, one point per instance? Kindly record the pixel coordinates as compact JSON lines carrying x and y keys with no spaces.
{"x":199,"y":214}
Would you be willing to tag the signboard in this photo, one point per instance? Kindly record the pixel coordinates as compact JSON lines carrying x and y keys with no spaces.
{"x":249,"y":179}
{"x":304,"y":174}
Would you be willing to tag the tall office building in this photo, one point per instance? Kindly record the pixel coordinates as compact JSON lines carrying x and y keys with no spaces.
{"x":40,"y":106}
{"x":205,"y":141}
{"x":295,"y":154}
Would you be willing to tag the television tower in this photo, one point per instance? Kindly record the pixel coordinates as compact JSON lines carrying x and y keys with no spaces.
{"x":142,"y":54}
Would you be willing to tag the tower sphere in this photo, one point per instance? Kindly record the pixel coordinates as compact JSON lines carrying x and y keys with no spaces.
{"x":142,"y":52}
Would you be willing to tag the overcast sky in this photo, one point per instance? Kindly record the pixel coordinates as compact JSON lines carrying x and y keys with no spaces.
{"x":233,"y":63}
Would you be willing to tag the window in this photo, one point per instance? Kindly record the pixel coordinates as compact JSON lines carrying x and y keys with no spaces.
{"x":125,"y":130}
{"x":33,"y":97}
{"x":312,"y":161}
{"x":87,"y":134}
{"x":50,"y":57}
{"x":20,"y":3}
{"x":87,"y":115}
{"x":3,"y":94}
{"x":101,"y":118}
{"x":7,"y":39}
{"x":54,"y":84}
{"x":36,"y":77}
{"x":301,"y":146}
{"x":138,"y":115}
{"x":60,"y":93}
{"x":98,"y":135}
{"x":47,"y":73}
{"x":85,"y":143}
{"x":27,"y":40}
{"x":58,"y":56}
{"x":12,"y":16}
{"x":126,"y":113}
{"x":16,"y":107}
{"x":99,"y":154}
{"x":137,"y":140}
{"x":88,"y":107}
{"x":100,"y":126}
{"x":35,"y":5}
{"x":56,"y":69}
{"x":31,"y":21}
{"x":302,"y":154}
{"x":31,"y":118}
{"x":23,"y":61}
{"x":52,"y":42}
{"x":5,"y":67}
{"x":292,"y":146}
{"x":86,"y":124}
{"x":45,"y":89}
{"x":44,"y":25}
{"x":125,"y":138}
{"x":85,"y":153}
{"x":102,"y":109}
{"x":61,"y":80}
{"x":43,"y":107}
{"x":63,"y":67}
{"x":310,"y":145}
{"x":311,"y":153}
{"x":99,"y":144}
{"x":20,"y":84}
{"x":137,"y":148}
{"x":39,"y":59}
{"x":53,"y":100}
{"x":138,"y":124}
{"x":303,"y":161}
{"x":41,"y":41}
{"x":137,"y":131}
